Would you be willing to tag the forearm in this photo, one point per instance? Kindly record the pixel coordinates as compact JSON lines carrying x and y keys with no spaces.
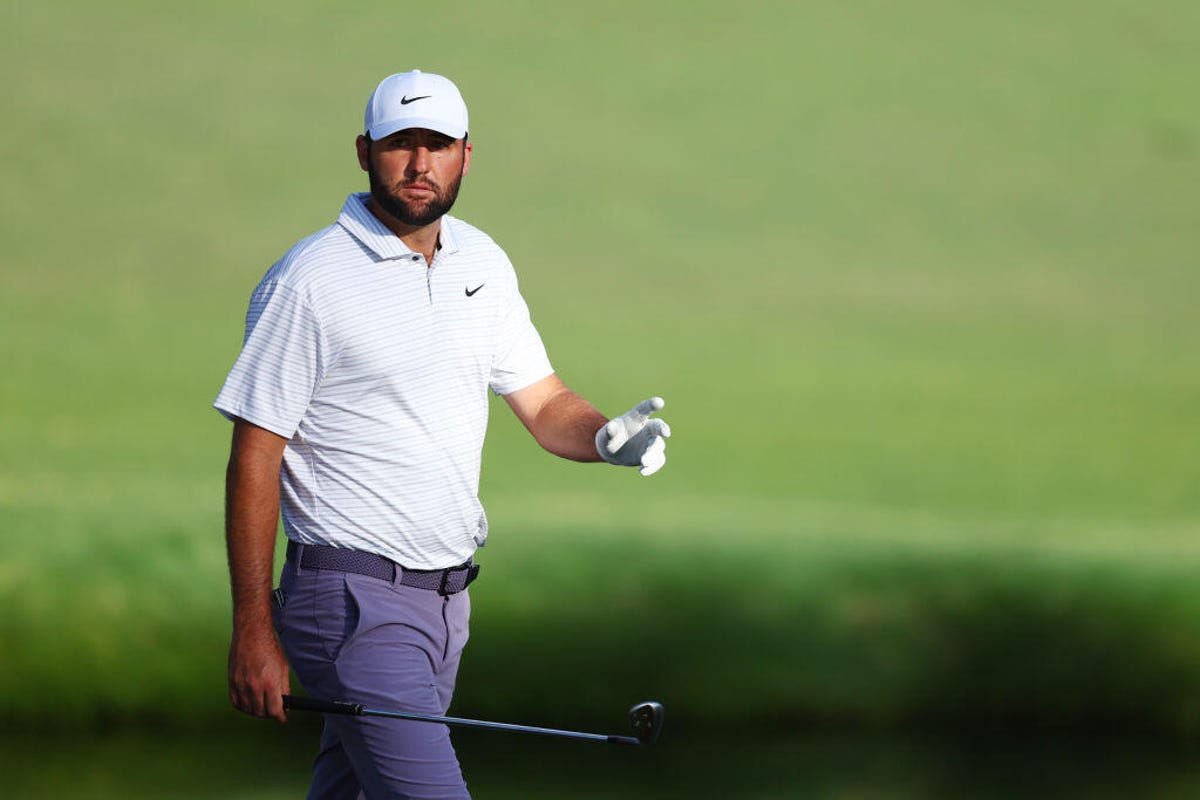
{"x":258,"y":672}
{"x":566,"y":426}
{"x":251,"y":515}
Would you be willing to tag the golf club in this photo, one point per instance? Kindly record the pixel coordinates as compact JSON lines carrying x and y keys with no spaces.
{"x":646,"y":719}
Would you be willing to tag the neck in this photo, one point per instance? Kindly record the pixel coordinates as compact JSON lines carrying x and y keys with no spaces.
{"x":421,"y":239}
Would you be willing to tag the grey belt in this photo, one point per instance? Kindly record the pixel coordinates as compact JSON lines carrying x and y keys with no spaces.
{"x":443,"y":581}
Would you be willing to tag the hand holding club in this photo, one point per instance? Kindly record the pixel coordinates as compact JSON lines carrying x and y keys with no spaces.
{"x":258,"y":673}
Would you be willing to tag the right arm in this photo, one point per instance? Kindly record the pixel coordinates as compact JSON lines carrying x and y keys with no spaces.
{"x":258,"y":671}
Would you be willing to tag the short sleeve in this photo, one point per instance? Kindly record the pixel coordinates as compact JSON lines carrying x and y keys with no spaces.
{"x":520,"y":357}
{"x":283,"y":360}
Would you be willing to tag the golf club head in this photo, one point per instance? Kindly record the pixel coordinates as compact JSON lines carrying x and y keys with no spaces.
{"x":647,"y":721}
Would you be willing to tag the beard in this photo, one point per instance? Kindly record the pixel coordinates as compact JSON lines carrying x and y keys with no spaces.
{"x":416,"y":213}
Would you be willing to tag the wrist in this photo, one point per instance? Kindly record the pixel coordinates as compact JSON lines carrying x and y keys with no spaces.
{"x":602,"y":438}
{"x":252,"y":618}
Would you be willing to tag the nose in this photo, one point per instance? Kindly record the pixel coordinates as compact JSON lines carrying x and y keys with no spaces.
{"x":418,"y":162}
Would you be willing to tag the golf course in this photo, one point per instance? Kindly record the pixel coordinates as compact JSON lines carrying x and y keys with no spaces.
{"x":918,"y":283}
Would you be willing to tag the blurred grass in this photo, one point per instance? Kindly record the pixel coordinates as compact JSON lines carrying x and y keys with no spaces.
{"x":271,"y":763}
{"x":916,"y":281}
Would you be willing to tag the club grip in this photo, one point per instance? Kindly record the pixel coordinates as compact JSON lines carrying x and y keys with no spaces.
{"x":324,"y":706}
{"x":623,"y":740}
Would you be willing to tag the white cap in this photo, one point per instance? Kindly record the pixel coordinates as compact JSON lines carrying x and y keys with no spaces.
{"x":415,"y":100}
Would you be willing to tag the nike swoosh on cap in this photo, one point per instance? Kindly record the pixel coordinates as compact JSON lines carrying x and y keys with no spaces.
{"x":406,"y":99}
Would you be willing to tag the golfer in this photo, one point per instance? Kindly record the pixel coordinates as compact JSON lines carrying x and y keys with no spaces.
{"x":359,"y":405}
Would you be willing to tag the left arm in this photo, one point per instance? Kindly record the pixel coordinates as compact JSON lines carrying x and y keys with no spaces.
{"x":569,"y":426}
{"x":561,"y":421}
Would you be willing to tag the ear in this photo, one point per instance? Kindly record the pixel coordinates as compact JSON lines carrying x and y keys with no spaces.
{"x":363,"y":145}
{"x":467,"y":146}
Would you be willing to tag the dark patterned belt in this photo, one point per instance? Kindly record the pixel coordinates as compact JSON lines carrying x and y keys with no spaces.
{"x":443,"y":581}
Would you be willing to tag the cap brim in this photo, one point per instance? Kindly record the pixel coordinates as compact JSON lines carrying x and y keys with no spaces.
{"x":382,"y":129}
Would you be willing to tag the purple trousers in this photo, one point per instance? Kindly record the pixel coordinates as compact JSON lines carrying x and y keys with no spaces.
{"x":370,"y":641}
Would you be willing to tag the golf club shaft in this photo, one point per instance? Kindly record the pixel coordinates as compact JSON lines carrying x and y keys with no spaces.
{"x":358,"y":710}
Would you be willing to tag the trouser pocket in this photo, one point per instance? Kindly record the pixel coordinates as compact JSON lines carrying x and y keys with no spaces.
{"x":314,"y":615}
{"x":334,"y":612}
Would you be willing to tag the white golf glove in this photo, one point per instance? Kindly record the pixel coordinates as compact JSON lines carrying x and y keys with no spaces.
{"x":635,"y":440}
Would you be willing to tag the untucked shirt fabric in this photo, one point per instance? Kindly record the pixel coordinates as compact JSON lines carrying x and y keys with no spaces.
{"x":376,"y":367}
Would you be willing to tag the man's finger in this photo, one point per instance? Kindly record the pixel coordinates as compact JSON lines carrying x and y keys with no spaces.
{"x":243,"y":700}
{"x":652,"y":467}
{"x":258,"y":706}
{"x":235,"y":699}
{"x":617,"y":435}
{"x":654,"y":458}
{"x":273,"y":702}
{"x":647,"y":407}
{"x":658,"y":427}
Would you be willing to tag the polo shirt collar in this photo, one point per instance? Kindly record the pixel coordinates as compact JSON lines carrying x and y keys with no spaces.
{"x":366,"y":228}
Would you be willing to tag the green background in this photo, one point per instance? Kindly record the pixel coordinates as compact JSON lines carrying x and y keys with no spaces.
{"x":916,"y":281}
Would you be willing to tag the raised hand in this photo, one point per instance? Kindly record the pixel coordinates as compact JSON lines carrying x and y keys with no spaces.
{"x":634,"y":439}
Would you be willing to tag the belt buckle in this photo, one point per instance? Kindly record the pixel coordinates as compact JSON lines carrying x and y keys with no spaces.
{"x":470,"y":569}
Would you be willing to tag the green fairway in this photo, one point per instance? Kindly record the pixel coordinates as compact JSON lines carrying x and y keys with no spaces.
{"x":917,"y":282}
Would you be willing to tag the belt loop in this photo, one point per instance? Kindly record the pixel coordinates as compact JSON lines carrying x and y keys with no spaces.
{"x":299,"y":558}
{"x":397,"y":575}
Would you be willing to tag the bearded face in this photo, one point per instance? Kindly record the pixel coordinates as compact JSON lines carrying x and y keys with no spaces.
{"x":415,"y":175}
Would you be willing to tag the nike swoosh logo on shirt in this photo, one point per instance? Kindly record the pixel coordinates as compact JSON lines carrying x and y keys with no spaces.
{"x":470,"y":292}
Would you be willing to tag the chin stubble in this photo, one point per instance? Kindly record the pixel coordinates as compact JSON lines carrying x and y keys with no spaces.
{"x":416,"y":215}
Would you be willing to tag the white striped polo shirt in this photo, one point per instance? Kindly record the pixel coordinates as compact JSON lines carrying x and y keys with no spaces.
{"x":376,"y":368}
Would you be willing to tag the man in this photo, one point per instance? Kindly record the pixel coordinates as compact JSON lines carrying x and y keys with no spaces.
{"x":359,"y":404}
